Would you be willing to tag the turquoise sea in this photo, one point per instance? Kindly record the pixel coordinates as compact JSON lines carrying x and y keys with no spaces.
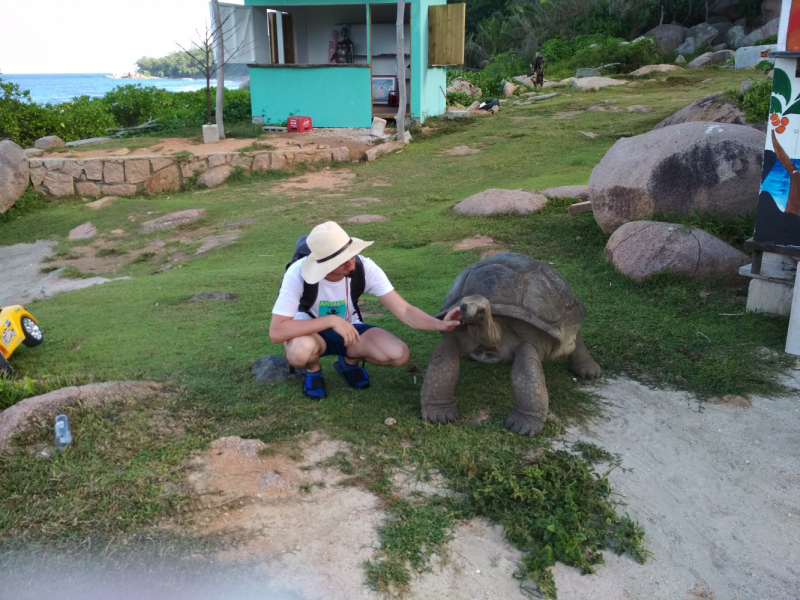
{"x":61,"y":87}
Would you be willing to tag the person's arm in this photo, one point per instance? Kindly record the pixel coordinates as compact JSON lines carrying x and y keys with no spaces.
{"x":282,"y":329}
{"x":416,"y":318}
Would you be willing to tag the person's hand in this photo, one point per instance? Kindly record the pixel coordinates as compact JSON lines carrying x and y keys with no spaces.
{"x":347,"y":331}
{"x":451,"y":320}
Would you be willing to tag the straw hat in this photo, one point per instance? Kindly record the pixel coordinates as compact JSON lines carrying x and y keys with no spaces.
{"x":330,"y":248}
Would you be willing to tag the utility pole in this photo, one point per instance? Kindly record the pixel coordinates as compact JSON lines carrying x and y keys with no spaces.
{"x":220,"y":58}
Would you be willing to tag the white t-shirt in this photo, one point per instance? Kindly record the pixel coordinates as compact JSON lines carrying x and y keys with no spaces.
{"x":333,"y":298}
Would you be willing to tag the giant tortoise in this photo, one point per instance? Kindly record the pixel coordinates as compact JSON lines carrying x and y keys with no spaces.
{"x":517,"y":311}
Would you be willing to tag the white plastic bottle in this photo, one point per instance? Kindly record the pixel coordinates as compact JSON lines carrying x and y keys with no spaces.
{"x":63,"y":434}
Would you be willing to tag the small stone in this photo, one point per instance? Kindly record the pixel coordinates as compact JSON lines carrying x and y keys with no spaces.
{"x":49,"y":141}
{"x":272,"y":369}
{"x":82,"y":232}
{"x":102,"y":203}
{"x":390,"y":421}
{"x":368,"y":219}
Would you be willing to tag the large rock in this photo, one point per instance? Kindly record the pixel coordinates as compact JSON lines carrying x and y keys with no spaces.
{"x":681,"y":169}
{"x":703,"y":60}
{"x":14,"y":174}
{"x":771,"y":9}
{"x":596,"y":83}
{"x":166,"y":180}
{"x":214,"y":177}
{"x":668,"y":37}
{"x":735,"y":36}
{"x":83,"y":232}
{"x":59,"y":185}
{"x":501,"y":202}
{"x":765,"y":30}
{"x":703,"y":34}
{"x":49,"y":141}
{"x":459,"y":86}
{"x":715,"y":108}
{"x":581,"y":192}
{"x":654,"y":69}
{"x":172,"y":220}
{"x":722,"y":31}
{"x":642,"y":248}
{"x":728,"y":9}
{"x":750,"y":56}
{"x":689,"y":46}
{"x":272,"y":369}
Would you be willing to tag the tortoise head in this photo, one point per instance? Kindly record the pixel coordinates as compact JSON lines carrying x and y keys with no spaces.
{"x":475,"y":310}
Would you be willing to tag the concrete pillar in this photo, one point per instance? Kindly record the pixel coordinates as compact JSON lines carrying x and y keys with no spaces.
{"x":793,"y":337}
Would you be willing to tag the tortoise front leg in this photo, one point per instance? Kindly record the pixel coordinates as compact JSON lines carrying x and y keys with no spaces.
{"x":438,"y":405}
{"x":530,"y":393}
{"x":581,"y":362}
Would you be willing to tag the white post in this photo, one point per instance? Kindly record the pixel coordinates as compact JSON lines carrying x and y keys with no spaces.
{"x":400,"y":118}
{"x":793,"y":337}
{"x":220,"y":58}
{"x":279,"y":32}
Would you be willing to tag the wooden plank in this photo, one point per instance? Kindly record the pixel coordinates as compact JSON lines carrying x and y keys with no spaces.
{"x":580,"y":207}
{"x":446,"y":34}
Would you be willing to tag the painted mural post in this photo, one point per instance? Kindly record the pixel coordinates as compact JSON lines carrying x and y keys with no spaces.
{"x":775,"y":285}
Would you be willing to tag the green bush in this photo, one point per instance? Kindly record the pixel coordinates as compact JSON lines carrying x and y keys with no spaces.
{"x":490,"y":78}
{"x":756,"y":102}
{"x":770,"y":39}
{"x":82,"y":118}
{"x":22,"y":120}
{"x":134,"y":104}
{"x":566,"y":56}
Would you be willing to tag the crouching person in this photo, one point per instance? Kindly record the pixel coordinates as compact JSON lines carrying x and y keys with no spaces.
{"x":316,"y":313}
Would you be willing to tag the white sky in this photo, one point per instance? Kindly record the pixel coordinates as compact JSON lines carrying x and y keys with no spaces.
{"x":94,"y":36}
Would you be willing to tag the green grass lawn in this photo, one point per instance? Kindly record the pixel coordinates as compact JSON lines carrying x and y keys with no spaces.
{"x":144,"y":329}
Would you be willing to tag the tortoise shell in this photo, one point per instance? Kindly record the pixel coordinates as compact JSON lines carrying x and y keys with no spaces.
{"x":519,"y":287}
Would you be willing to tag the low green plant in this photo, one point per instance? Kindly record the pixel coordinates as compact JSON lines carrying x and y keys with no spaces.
{"x":81,"y":118}
{"x":764,"y":65}
{"x":770,"y":39}
{"x":73,"y":272}
{"x":555,"y":509}
{"x":13,"y":391}
{"x":22,"y":120}
{"x":755,"y":102}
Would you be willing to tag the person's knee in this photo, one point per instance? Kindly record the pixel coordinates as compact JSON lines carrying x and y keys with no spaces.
{"x":399,"y":355}
{"x":302,"y":351}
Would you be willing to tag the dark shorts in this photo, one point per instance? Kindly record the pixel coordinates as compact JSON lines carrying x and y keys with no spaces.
{"x":334,"y":343}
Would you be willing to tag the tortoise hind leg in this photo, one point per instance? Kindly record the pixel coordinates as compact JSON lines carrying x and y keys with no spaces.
{"x":438,"y":405}
{"x":581,"y":362}
{"x":530,"y":393}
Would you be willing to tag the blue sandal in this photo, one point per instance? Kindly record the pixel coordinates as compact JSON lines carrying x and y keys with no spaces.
{"x":314,"y":385}
{"x":355,"y":376}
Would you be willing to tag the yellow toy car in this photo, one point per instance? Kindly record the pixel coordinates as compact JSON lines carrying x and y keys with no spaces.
{"x":18,"y":327}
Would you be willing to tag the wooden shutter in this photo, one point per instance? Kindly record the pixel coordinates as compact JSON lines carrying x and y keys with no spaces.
{"x":446,"y":34}
{"x":273,"y":37}
{"x":288,"y":38}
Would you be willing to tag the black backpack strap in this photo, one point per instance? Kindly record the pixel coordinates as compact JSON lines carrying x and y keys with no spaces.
{"x":308,"y":298}
{"x":358,"y":283}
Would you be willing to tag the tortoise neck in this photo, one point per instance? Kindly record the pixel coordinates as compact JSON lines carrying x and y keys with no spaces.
{"x":487,"y":333}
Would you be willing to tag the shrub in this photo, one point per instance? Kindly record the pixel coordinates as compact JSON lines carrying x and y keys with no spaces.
{"x":490,"y":79}
{"x":756,"y":102}
{"x":82,"y":118}
{"x":21,"y":120}
{"x":770,"y":39}
{"x":134,"y":104}
{"x":565,"y":56}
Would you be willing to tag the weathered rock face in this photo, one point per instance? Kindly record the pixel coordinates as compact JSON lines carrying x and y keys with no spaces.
{"x":771,"y":9}
{"x":501,"y":202}
{"x":703,"y":167}
{"x":581,"y":192}
{"x":215,"y":176}
{"x":735,"y":36}
{"x":596,"y":83}
{"x":14,"y":173}
{"x":460,"y":86}
{"x":654,"y":68}
{"x":748,"y":56}
{"x":701,"y":61}
{"x":642,"y":248}
{"x":49,"y":141}
{"x":83,"y":232}
{"x":668,"y":37}
{"x":172,"y":220}
{"x":722,"y":31}
{"x":711,"y":109}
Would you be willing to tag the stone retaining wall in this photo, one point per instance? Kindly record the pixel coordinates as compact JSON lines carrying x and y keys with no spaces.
{"x":126,"y":176}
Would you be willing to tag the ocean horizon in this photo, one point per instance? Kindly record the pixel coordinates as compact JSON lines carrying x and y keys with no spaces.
{"x":54,"y":88}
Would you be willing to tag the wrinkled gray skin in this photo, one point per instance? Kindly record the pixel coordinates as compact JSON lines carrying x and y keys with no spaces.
{"x":546,"y":325}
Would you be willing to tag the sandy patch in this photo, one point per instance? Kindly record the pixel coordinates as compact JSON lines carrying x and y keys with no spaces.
{"x":461,"y":150}
{"x":716,"y":487}
{"x":325,"y":179}
{"x":477,"y":241}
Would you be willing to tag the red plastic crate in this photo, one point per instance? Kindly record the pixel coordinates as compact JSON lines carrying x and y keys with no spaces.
{"x":299,"y":124}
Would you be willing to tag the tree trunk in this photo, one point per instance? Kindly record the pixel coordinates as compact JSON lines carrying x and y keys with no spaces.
{"x":793,"y":199}
{"x":220,"y":58}
{"x":400,"y":118}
